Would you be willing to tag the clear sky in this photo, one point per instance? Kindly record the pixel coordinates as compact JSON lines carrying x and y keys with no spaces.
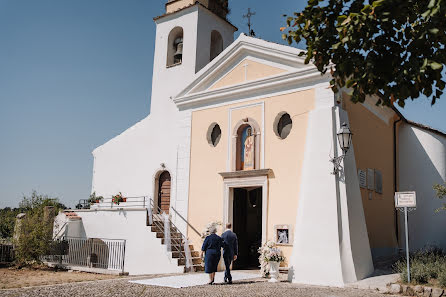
{"x":76,"y":73}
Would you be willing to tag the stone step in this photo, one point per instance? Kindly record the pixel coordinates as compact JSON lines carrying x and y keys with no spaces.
{"x":195,"y":254}
{"x":196,"y":261}
{"x":177,"y":254}
{"x":172,"y":235}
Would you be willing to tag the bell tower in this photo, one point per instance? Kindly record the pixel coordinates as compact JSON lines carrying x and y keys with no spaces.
{"x":189,"y":35}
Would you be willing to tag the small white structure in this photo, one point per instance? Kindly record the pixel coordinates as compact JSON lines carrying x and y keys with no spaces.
{"x":422,"y":164}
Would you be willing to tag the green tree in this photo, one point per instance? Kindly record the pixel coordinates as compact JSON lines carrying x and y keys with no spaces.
{"x":441,"y":193}
{"x":35,"y":237}
{"x":391,"y":48}
{"x":7,"y":221}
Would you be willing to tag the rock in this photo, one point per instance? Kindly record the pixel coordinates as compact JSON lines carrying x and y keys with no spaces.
{"x":409,"y":291}
{"x":427,"y":292}
{"x":418,"y":289}
{"x":437,"y":292}
{"x":395,"y":289}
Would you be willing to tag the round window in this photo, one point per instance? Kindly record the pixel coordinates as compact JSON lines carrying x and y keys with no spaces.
{"x":283,"y":125}
{"x":214,"y":134}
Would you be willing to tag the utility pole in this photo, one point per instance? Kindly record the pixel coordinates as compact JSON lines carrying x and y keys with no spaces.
{"x":248,"y":16}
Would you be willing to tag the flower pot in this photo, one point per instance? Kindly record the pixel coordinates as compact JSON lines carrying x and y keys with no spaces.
{"x":274,"y":271}
{"x":124,"y":199}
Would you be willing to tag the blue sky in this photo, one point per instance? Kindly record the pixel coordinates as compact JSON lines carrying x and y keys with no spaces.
{"x":74,"y":74}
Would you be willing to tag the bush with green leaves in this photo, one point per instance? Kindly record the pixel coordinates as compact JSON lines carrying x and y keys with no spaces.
{"x":35,"y":232}
{"x":425,"y":265}
{"x":440,"y":191}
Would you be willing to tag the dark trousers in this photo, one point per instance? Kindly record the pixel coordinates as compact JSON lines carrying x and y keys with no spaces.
{"x":228,"y":261}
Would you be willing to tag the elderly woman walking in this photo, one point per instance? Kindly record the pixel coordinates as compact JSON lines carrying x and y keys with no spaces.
{"x":212,"y":247}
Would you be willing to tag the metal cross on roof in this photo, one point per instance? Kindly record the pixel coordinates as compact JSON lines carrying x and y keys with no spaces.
{"x":248,"y":16}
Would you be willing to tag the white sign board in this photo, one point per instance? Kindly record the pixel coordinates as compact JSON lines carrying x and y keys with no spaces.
{"x":405,"y":199}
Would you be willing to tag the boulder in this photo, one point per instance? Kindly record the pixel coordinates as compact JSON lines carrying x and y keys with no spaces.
{"x":395,"y":289}
{"x":427,"y":292}
{"x":437,"y":292}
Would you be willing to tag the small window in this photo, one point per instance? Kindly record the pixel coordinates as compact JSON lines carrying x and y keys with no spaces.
{"x":283,"y":125}
{"x":214,"y":134}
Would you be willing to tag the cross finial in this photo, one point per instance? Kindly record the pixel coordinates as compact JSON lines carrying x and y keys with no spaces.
{"x":248,"y":16}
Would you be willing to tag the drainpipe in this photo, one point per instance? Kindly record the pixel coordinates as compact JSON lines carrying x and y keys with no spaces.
{"x":395,"y":177}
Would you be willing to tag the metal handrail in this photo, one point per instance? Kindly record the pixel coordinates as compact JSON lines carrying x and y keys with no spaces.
{"x":192,"y":227}
{"x":183,"y":240}
{"x":107,"y":203}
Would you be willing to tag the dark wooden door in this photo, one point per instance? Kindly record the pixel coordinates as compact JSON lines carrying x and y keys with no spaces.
{"x":164,"y":192}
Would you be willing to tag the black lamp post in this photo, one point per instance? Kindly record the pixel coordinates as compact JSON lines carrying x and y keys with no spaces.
{"x":344,"y":136}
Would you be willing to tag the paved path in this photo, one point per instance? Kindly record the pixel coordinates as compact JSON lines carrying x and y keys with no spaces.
{"x":122,"y":287}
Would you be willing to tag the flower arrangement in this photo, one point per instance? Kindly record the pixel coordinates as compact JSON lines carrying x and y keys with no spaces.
{"x":269,"y":252}
{"x":95,"y":199}
{"x":118,"y":198}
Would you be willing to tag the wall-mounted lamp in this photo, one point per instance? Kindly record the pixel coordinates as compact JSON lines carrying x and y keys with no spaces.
{"x":344,"y":136}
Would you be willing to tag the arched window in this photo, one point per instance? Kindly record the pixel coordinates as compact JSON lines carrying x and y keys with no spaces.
{"x":216,"y":44}
{"x":175,"y":47}
{"x":246,"y":145}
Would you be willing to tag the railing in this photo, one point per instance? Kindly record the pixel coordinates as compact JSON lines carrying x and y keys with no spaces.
{"x":177,"y":244}
{"x":6,"y":253}
{"x":107,"y":203}
{"x":88,"y":252}
{"x":192,"y":227}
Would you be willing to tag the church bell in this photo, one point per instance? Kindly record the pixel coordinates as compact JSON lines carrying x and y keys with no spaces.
{"x":178,"y":56}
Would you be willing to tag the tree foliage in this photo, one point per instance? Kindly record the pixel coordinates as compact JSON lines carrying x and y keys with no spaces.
{"x":391,"y":48}
{"x":35,"y":234}
{"x":441,"y":193}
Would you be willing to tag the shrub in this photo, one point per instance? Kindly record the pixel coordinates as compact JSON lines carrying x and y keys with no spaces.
{"x":35,"y":229}
{"x":442,"y":277}
{"x":425,"y":265}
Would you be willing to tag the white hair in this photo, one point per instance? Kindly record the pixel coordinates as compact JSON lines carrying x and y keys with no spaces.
{"x":212,"y":229}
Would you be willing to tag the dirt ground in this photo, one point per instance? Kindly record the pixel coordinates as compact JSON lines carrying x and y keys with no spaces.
{"x":29,"y":277}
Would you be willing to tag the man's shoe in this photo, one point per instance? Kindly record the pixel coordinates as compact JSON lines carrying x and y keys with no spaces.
{"x":230,"y":282}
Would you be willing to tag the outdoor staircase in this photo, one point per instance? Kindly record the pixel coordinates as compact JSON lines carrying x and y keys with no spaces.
{"x":177,"y":245}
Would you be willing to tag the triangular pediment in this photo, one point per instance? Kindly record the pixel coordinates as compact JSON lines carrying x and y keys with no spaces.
{"x":247,"y":62}
{"x":249,"y":69}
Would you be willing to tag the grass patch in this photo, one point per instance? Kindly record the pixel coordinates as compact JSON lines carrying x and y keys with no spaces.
{"x":426,"y":266}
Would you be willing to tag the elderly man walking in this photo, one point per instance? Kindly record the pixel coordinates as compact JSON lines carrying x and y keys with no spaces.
{"x":230,"y":251}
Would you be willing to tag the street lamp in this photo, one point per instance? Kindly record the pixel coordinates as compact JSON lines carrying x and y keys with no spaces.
{"x":344,"y":136}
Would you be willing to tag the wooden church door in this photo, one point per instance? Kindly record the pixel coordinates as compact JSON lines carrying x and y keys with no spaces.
{"x":164,"y":192}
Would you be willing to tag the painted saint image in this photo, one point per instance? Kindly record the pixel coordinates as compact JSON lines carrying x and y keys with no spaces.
{"x":248,"y":149}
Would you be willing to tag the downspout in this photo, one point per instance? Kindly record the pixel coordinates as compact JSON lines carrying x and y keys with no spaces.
{"x":395,"y":177}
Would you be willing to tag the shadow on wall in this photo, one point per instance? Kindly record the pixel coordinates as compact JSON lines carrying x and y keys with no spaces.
{"x":422,"y":163}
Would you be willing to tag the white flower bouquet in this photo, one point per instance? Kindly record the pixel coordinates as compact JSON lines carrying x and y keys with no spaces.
{"x":269,"y":252}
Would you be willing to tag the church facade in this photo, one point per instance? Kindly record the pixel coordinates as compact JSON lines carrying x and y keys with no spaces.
{"x":242,"y":131}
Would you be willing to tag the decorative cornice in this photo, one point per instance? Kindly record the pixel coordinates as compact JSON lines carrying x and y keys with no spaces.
{"x":246,"y":173}
{"x":265,"y":85}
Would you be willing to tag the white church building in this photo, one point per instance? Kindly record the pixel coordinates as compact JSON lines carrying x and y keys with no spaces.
{"x":242,"y":131}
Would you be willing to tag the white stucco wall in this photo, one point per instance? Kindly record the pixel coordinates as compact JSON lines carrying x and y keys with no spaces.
{"x":144,"y":253}
{"x":422,"y":163}
{"x":129,"y":162}
{"x":331,"y":245}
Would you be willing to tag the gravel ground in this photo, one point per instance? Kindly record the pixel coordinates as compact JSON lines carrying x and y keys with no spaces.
{"x":121,"y":287}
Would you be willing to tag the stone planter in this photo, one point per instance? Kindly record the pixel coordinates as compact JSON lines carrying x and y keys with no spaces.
{"x":274,"y":271}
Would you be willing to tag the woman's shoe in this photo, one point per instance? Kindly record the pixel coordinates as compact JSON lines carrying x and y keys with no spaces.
{"x":211,"y":283}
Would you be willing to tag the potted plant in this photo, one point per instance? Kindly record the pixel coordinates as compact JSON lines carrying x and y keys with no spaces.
{"x":118,"y":198}
{"x":270,"y":258}
{"x":95,"y":199}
